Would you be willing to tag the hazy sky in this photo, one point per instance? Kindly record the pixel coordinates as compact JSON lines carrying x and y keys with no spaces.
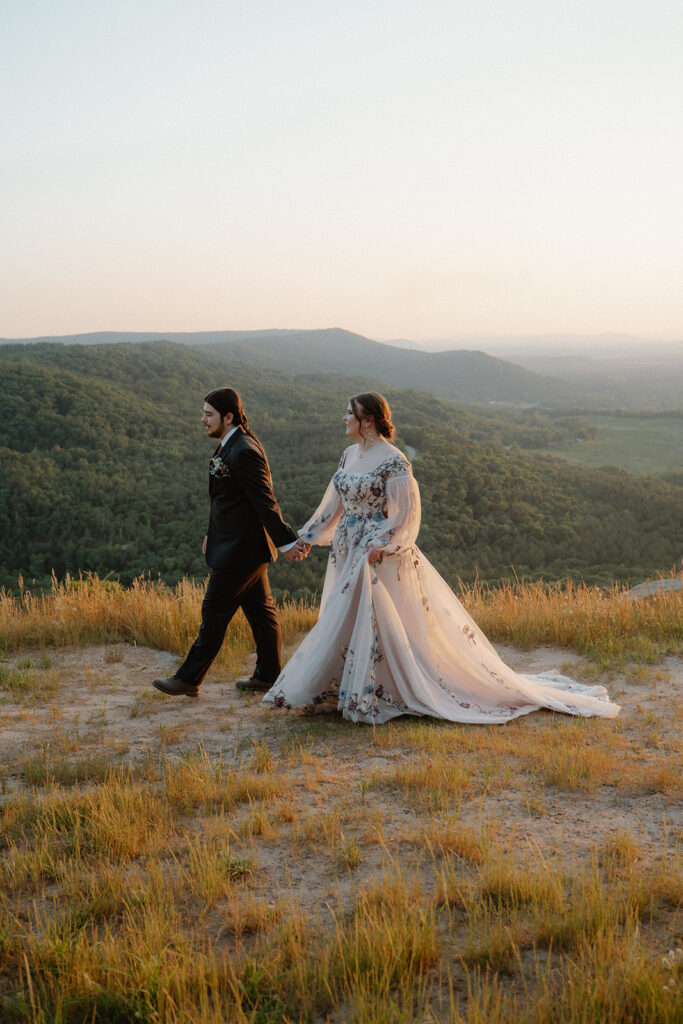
{"x":401,"y":169}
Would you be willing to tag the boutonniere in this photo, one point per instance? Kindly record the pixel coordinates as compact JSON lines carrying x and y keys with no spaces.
{"x":218,"y":468}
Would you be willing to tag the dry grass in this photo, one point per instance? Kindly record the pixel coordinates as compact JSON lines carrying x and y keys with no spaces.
{"x":102,"y":925}
{"x":94,"y":611}
{"x":118,"y":912}
{"x":607,"y":626}
{"x":26,"y":686}
{"x":306,"y":870}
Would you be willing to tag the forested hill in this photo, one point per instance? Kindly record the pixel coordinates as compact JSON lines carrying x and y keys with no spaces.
{"x":462,"y":376}
{"x":104,"y":467}
{"x":466,"y":377}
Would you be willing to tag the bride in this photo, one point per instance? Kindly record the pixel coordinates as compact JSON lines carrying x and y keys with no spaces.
{"x":392,"y":638}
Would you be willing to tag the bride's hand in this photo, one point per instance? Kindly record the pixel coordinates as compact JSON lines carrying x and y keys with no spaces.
{"x":373,"y":555}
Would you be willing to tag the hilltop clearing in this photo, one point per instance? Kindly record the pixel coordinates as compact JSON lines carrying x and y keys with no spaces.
{"x":212,"y":842}
{"x":247,"y":864}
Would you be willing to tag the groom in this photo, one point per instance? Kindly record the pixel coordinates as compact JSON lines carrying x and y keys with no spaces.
{"x":245,"y":529}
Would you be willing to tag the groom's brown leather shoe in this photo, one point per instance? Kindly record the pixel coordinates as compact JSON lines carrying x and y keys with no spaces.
{"x":175,"y":687}
{"x":252,"y":684}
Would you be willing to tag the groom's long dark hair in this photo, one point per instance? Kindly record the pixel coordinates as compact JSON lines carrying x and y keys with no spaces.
{"x":227,"y":400}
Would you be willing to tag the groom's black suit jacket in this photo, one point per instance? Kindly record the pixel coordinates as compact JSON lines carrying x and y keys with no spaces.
{"x":245,"y":524}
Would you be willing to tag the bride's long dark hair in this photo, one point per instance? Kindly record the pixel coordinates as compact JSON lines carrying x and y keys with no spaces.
{"x":374,"y":406}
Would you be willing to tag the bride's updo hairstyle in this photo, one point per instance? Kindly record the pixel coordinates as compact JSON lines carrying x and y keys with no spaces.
{"x":372,"y":405}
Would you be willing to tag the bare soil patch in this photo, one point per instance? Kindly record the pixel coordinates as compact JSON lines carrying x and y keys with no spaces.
{"x":338,"y":816}
{"x":104,"y":705}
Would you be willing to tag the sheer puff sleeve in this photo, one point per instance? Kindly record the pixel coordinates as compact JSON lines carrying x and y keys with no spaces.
{"x":321,"y":526}
{"x":402,"y":524}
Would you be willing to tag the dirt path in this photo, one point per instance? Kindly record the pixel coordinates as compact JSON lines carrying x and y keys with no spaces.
{"x":99,"y":700}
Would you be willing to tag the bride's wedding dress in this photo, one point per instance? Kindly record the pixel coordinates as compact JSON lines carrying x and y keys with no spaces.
{"x":392,"y":638}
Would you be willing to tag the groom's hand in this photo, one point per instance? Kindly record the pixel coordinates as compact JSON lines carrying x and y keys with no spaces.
{"x":297,"y":551}
{"x":294,"y":554}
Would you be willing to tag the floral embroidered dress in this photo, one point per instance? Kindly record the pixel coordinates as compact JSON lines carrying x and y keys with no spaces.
{"x":392,"y":638}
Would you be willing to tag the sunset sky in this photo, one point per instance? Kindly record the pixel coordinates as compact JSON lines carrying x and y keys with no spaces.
{"x":400,"y":169}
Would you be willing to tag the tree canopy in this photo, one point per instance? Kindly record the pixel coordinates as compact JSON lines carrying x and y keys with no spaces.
{"x":104,"y":468}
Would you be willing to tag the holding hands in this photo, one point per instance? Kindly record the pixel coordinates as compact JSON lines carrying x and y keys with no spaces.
{"x":297,"y":551}
{"x":300,"y":550}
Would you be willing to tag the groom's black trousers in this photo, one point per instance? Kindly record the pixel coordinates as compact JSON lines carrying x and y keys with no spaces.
{"x":229,"y":589}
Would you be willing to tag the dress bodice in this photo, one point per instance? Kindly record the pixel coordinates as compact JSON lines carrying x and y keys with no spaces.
{"x":365,"y":493}
{"x":363,"y":498}
{"x":378,"y":507}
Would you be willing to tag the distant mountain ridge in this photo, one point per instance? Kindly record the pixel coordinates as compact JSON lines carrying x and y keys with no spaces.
{"x":460,"y":376}
{"x":480,"y":370}
{"x":463,"y":376}
{"x":558,"y":341}
{"x":121,"y":337}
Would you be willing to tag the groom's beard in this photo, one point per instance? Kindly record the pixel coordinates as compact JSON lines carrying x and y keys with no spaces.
{"x":217,"y":432}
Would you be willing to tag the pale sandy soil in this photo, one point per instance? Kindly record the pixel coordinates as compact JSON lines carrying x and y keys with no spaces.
{"x":104,"y":704}
{"x":104,"y":696}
